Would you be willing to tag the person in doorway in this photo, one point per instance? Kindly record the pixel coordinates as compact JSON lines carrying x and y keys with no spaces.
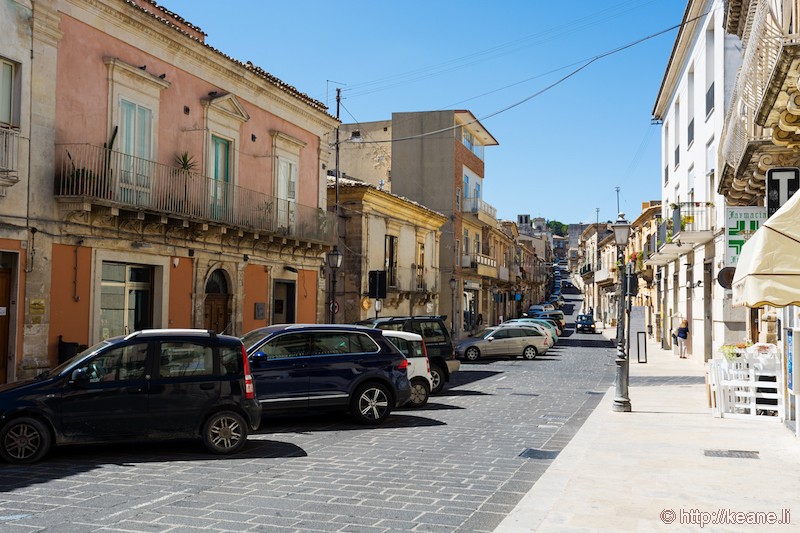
{"x":479,"y":320}
{"x":682,"y":334}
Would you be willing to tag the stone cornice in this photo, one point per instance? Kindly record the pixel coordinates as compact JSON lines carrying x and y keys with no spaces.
{"x":45,"y":24}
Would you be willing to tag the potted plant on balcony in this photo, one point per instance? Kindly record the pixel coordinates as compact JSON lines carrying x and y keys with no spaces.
{"x":186,"y":165}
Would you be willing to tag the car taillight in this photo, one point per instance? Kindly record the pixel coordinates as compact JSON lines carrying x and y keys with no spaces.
{"x":428,"y":363}
{"x":249,"y":388}
{"x":403,"y":365}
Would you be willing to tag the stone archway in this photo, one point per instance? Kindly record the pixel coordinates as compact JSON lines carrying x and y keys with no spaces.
{"x":217,"y":308}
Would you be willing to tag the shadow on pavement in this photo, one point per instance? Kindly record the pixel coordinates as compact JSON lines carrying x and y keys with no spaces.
{"x":467,"y":375}
{"x":582,"y":342}
{"x":66,"y":461}
{"x":341,"y":422}
{"x":462,"y":392}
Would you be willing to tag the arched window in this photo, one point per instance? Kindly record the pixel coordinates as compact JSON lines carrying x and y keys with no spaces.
{"x":217,"y":284}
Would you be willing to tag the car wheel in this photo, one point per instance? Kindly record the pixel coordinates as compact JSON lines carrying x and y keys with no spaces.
{"x":24,"y":440}
{"x":439,"y":379}
{"x":530,"y":353}
{"x":371,"y":403}
{"x":472,"y":354}
{"x":420,"y":390}
{"x":225,"y":432}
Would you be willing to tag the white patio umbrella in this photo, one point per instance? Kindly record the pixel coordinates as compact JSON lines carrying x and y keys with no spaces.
{"x":768,"y":270}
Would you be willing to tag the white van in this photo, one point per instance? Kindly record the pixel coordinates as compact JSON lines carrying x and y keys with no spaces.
{"x":419,"y":368}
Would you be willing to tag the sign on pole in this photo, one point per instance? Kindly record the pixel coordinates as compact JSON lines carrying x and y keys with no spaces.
{"x":740,"y":224}
{"x":782,"y":183}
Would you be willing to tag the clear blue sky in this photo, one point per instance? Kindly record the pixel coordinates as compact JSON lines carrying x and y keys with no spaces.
{"x":560,"y":155}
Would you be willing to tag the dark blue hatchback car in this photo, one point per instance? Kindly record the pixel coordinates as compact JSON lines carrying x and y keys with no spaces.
{"x":310,"y":367}
{"x":152,"y":384}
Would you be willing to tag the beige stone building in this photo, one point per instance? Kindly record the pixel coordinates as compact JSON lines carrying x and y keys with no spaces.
{"x":384,"y":232}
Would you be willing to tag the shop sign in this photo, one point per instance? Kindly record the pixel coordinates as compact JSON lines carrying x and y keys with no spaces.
{"x":782,"y":183}
{"x":740,"y":224}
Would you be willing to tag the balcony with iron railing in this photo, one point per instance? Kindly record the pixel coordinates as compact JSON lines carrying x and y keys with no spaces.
{"x":483,"y":265}
{"x":483,"y":211}
{"x":92,"y":175}
{"x":759,"y":121}
{"x":412,"y":279}
{"x":664,"y":249}
{"x":693,"y":222}
{"x":9,"y":152}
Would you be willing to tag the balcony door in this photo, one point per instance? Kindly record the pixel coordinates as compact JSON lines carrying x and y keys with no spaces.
{"x":220,"y":179}
{"x":135,"y":146}
{"x":287,"y":195}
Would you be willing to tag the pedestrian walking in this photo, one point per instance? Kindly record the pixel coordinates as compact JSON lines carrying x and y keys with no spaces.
{"x":682,"y":334}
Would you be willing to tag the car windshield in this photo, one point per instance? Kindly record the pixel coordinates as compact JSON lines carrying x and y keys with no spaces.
{"x":485,"y":332}
{"x":586,"y":318}
{"x":69,"y":363}
{"x":252,"y":338}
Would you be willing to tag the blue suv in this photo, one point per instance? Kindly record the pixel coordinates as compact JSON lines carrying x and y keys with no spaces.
{"x":323,"y":366}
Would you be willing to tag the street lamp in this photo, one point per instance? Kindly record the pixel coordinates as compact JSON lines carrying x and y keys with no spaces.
{"x":453,"y":284}
{"x":622,"y":404}
{"x":334,"y":259}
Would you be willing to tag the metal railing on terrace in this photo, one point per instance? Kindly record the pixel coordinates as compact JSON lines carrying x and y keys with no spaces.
{"x":118,"y":179}
{"x":473,"y":260}
{"x":770,"y":29}
{"x":9,"y":143}
{"x":692,"y":216}
{"x":476,"y":205}
{"x":408,"y":279}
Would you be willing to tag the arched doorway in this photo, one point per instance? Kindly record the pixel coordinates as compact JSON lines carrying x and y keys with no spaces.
{"x":217,"y":303}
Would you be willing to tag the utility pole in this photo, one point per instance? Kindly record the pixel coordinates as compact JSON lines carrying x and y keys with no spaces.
{"x":336,"y":179}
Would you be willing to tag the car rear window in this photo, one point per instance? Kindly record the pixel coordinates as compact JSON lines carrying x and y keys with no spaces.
{"x":330,"y":342}
{"x":231,"y":360}
{"x":431,"y":331}
{"x":407,"y":347}
{"x":186,"y":359}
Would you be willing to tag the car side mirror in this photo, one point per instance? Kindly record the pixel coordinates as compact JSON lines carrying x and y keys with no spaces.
{"x":258,"y":357}
{"x":490,"y":339}
{"x":80,"y":377}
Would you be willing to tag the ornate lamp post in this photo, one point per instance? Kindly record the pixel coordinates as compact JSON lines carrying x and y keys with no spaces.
{"x":453,"y":284}
{"x":334,"y":259}
{"x":622,"y":230}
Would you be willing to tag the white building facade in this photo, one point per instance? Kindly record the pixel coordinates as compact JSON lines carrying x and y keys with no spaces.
{"x":689,"y":248}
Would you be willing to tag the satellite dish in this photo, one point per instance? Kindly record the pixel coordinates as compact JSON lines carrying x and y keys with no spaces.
{"x":725,"y":277}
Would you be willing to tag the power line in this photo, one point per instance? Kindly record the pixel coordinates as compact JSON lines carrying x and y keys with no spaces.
{"x":561,"y":80}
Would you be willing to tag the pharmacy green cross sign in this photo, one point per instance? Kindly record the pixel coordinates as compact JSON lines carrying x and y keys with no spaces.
{"x":740,"y":224}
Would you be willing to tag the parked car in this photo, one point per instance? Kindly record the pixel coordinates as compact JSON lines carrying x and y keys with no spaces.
{"x":503,"y":342}
{"x":312,"y":367}
{"x":585,"y":323}
{"x":549,"y":320}
{"x":556,"y":315}
{"x":549,"y":325}
{"x":152,"y":384}
{"x":437,"y":342}
{"x":419,"y":367}
{"x":539,"y":308}
{"x":520,"y":324}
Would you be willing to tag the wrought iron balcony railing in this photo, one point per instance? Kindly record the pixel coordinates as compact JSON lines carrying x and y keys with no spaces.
{"x":113,"y":178}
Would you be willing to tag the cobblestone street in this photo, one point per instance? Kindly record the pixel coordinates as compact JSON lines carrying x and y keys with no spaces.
{"x":459,"y":464}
